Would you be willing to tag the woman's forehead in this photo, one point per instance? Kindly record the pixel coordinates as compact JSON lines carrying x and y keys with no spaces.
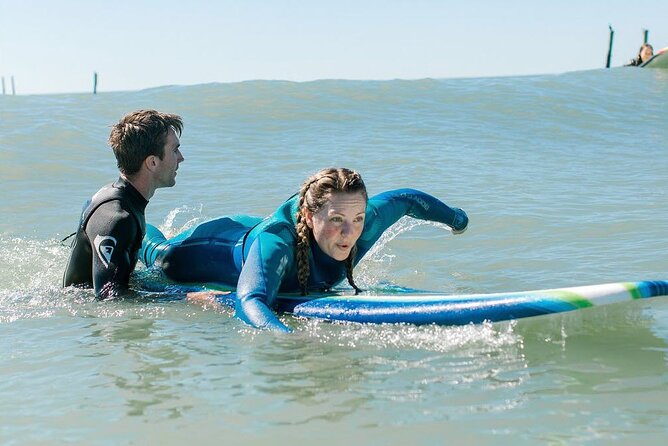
{"x":346,"y":202}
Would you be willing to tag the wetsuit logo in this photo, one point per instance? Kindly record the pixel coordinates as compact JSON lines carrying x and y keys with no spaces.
{"x":104,"y":247}
{"x":280,"y":270}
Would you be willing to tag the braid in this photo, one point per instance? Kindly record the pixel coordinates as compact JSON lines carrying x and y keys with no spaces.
{"x":349,"y":269}
{"x":301,"y":253}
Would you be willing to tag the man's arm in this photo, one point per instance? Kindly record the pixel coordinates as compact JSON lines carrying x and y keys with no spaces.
{"x":112,"y":232}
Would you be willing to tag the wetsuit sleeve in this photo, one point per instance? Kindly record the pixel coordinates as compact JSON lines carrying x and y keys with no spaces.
{"x":112,"y":232}
{"x":268,"y":260}
{"x":383,"y":210}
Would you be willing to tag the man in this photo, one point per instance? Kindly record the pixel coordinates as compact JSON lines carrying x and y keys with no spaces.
{"x":112,"y":225}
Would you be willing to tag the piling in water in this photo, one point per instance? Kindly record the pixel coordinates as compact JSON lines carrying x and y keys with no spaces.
{"x":612,"y":34}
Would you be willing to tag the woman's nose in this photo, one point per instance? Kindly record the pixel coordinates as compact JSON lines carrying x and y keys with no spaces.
{"x":345,"y":228}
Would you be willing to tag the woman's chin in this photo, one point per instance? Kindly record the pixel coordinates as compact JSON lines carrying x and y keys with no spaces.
{"x":340,"y":255}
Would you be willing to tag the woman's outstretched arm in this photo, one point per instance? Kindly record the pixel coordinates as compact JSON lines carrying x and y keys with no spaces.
{"x":383,"y":210}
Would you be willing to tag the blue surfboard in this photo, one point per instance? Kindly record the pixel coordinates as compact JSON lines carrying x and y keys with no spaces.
{"x":459,"y":309}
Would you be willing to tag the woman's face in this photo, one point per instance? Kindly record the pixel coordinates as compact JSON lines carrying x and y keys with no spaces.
{"x":646,"y":53}
{"x":338,"y":224}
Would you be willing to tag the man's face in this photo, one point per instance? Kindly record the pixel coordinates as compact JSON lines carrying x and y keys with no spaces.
{"x":171,"y":158}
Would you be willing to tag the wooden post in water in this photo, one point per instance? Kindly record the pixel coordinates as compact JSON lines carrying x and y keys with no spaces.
{"x":645,"y":35}
{"x":3,"y":85}
{"x":612,"y":34}
{"x":95,"y":82}
{"x":13,"y":89}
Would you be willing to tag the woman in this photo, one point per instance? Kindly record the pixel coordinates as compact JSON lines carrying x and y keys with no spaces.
{"x":312,"y":241}
{"x":644,"y":54}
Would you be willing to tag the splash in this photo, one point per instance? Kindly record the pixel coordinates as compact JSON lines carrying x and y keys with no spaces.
{"x":482,"y":337}
{"x":375,"y":267}
{"x":31,"y":287}
{"x":31,"y":264}
{"x":192,"y":214}
{"x":30,"y":278}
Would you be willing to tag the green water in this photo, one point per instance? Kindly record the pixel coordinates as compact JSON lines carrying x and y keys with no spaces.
{"x":563,"y":178}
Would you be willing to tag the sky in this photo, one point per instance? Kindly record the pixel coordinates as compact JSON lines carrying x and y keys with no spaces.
{"x":56,"y":46}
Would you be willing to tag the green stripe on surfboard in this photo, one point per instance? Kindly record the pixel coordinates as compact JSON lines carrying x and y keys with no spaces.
{"x":633,"y":290}
{"x":573,"y":298}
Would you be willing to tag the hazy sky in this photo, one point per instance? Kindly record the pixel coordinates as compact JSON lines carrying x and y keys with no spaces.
{"x":55,"y":46}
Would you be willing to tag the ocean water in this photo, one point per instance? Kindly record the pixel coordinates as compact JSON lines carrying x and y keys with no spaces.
{"x":564,"y":180}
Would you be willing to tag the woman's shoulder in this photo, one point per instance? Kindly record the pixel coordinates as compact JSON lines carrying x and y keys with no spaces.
{"x":282,"y":221}
{"x":287,"y":211}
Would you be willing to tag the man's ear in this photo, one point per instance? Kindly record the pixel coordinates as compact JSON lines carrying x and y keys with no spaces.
{"x":151,"y":162}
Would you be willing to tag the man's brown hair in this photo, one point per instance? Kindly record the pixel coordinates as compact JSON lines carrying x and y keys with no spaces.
{"x":140,"y":134}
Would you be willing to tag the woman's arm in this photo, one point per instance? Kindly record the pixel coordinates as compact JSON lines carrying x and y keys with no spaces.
{"x":261,"y":276}
{"x":383,"y":210}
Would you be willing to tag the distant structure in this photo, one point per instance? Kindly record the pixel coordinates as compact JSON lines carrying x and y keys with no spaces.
{"x":612,"y":34}
{"x":4,"y":90}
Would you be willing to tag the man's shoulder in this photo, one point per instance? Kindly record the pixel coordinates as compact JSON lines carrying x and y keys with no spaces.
{"x":112,"y":191}
{"x":117,"y":197}
{"x":117,"y":206}
{"x":112,"y":215}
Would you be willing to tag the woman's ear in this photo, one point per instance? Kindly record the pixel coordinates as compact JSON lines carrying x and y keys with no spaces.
{"x":308,"y":218}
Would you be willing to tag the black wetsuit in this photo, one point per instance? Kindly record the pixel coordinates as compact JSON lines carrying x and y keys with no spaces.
{"x":104,"y":251}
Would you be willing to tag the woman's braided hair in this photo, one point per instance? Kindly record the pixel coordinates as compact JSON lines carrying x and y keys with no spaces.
{"x":313,"y":195}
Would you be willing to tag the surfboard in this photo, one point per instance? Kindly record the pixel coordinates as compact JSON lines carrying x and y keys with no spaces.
{"x":659,"y":60}
{"x":419,"y":308}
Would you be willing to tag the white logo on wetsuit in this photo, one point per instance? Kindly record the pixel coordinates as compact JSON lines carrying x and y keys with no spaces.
{"x":104,"y":246}
{"x":280,"y":270}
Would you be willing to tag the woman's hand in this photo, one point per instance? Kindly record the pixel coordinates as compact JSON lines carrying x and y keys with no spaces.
{"x":205,"y":297}
{"x":460,"y":222}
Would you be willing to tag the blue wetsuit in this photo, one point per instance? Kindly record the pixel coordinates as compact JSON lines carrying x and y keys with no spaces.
{"x":258,"y":255}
